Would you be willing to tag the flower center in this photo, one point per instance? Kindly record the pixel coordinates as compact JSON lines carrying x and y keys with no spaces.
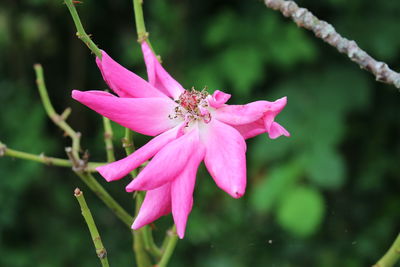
{"x":192,"y":105}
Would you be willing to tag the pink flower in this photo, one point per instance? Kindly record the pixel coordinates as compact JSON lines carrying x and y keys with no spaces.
{"x":189,"y":126}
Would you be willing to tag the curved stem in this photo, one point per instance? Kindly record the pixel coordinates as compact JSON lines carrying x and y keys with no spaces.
{"x":59,"y":120}
{"x":149,"y":243}
{"x":94,"y":233}
{"x":81,"y":34}
{"x":391,"y":256}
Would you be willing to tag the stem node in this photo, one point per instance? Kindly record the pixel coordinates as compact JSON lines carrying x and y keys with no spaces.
{"x":3,"y":149}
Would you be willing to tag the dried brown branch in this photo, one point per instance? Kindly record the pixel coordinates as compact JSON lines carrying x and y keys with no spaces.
{"x":325,"y":31}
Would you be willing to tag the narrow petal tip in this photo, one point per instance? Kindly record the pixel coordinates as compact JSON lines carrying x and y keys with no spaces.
{"x":236,"y":194}
{"x":103,"y":172}
{"x":136,"y":225}
{"x":277,"y":130}
{"x":280,"y":104}
{"x":75,"y":94}
{"x":181,"y":234}
{"x":129,"y":188}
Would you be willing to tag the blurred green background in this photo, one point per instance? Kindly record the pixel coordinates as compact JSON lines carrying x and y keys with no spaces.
{"x":327,"y":196}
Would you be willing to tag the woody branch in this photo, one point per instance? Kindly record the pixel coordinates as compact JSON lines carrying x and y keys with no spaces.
{"x":325,"y":31}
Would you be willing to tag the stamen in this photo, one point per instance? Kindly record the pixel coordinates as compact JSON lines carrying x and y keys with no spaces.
{"x":192,"y":105}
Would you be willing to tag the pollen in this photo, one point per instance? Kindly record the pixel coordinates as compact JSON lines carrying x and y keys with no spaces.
{"x":192,"y":106}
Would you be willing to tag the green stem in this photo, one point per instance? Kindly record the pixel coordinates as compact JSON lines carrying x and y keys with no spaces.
{"x":108,"y":136}
{"x":92,"y":183}
{"x":5,"y":151}
{"x":149,"y":243}
{"x":391,"y":256}
{"x":140,"y":26}
{"x":87,"y":215}
{"x":127,"y":142}
{"x":142,"y":258}
{"x":129,"y":146}
{"x":169,"y":245}
{"x":56,"y":118}
{"x":81,"y":34}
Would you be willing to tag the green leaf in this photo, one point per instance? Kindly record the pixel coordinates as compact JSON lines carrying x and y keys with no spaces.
{"x":325,"y":168}
{"x":301,"y":211}
{"x":269,"y":191}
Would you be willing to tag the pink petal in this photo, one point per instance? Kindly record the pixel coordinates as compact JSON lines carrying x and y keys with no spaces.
{"x":277,"y":130}
{"x":251,"y":129}
{"x":182,"y":190}
{"x":124,"y":82}
{"x":157,"y":75}
{"x":120,"y":168}
{"x":258,"y":127}
{"x":166,"y":164}
{"x":225,"y":157}
{"x":218,"y":99}
{"x":275,"y":109}
{"x":157,"y":203}
{"x":243,"y":114}
{"x":147,"y":116}
{"x":266,"y":123}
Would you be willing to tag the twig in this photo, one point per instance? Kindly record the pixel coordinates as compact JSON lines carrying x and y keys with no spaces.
{"x":81,"y":34}
{"x":139,"y":248}
{"x":57,"y":119}
{"x":168,"y":247}
{"x":87,"y":215}
{"x":139,"y":20}
{"x":325,"y":31}
{"x":391,"y":256}
{"x":92,"y":183}
{"x":149,"y":243}
{"x":108,"y":139}
{"x":52,"y":161}
{"x":128,"y":145}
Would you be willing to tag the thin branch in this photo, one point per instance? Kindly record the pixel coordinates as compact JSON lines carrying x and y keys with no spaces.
{"x":91,"y":182}
{"x":168,"y":247}
{"x":139,"y":20}
{"x":108,"y":139}
{"x":87,"y":215}
{"x":149,"y":243}
{"x":391,"y":256}
{"x":51,"y":161}
{"x":81,"y":34}
{"x":139,"y":248}
{"x":110,"y":202}
{"x":128,"y":145}
{"x":325,"y":31}
{"x":59,"y":120}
